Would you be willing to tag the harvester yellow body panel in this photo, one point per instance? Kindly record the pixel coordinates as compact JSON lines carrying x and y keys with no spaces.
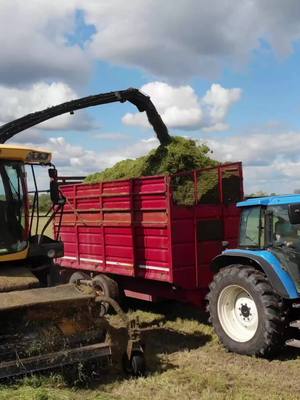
{"x":18,"y":255}
{"x":26,"y":154}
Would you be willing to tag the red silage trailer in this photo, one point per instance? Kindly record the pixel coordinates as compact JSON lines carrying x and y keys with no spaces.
{"x":139,"y":234}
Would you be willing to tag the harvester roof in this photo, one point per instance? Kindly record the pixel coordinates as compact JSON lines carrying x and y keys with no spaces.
{"x":25,"y":154}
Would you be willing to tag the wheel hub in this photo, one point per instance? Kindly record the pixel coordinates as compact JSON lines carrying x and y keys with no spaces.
{"x":237,"y":313}
{"x":245,"y":311}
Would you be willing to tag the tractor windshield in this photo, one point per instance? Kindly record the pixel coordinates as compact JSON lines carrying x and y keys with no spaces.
{"x":12,"y":214}
{"x":284,"y":233}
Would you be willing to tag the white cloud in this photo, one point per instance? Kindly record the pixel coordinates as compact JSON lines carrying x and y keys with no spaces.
{"x":217,"y":102}
{"x":257,"y":149}
{"x":171,"y":40}
{"x":177,"y":40}
{"x":271,"y":162}
{"x":181,"y":108}
{"x":17,"y":102}
{"x":34,"y":45}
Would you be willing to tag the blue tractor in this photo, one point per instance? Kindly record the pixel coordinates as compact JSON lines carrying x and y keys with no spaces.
{"x":254,"y":298}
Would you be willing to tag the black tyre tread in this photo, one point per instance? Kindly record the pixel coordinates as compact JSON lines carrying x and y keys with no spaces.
{"x":112,"y":286}
{"x":138,"y":365}
{"x":275,"y":315}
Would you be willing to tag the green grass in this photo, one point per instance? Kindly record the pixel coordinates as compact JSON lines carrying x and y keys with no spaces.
{"x":185,"y":361}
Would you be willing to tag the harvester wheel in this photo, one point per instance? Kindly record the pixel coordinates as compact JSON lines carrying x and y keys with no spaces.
{"x":136,"y":366}
{"x":108,"y":287}
{"x":246,"y":313}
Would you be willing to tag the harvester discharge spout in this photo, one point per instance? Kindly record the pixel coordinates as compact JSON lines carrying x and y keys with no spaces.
{"x":134,"y":96}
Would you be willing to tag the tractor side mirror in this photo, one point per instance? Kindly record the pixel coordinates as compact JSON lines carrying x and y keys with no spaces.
{"x":54,"y":192}
{"x":294,"y":213}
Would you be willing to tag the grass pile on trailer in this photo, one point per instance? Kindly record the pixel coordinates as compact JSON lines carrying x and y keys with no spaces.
{"x":136,"y":236}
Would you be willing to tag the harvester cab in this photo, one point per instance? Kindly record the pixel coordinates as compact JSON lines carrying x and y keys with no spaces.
{"x":254,"y":299}
{"x":22,"y":237}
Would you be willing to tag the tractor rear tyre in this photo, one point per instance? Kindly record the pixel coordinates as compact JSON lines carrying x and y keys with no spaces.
{"x":247,"y":315}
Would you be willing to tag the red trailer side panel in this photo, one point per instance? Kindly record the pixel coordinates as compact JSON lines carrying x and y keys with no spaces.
{"x":119,"y":227}
{"x":138,"y":228}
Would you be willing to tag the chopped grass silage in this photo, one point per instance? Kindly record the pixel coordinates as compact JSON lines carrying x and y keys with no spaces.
{"x":180,"y":155}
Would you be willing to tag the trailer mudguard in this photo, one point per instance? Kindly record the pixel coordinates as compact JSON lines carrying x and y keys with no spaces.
{"x":279,"y":278}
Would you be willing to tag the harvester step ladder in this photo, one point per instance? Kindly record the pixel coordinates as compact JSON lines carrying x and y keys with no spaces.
{"x":293,"y":343}
{"x":295,"y":324}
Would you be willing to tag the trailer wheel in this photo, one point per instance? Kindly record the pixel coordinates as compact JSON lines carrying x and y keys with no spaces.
{"x":77,"y":276}
{"x":246,"y":313}
{"x":107,"y":287}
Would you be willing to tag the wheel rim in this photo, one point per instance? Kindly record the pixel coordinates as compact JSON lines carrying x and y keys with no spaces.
{"x":237,"y":313}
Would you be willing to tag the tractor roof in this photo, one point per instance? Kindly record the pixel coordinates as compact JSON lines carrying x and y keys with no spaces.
{"x":270,"y":200}
{"x":26,"y":154}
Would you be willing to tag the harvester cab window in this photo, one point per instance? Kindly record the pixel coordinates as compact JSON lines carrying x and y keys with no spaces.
{"x":251,"y":230}
{"x":12,"y":215}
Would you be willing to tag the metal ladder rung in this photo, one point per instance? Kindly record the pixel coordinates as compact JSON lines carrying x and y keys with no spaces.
{"x":293,"y":343}
{"x":295,"y":324}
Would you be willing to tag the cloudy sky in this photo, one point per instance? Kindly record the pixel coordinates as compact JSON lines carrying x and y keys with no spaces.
{"x":220,"y":71}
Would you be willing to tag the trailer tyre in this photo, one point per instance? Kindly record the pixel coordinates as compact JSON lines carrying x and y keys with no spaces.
{"x":246,"y":313}
{"x":108,"y":287}
{"x":78,"y":276}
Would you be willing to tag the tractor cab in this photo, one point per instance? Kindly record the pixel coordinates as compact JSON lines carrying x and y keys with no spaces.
{"x":272,"y":224}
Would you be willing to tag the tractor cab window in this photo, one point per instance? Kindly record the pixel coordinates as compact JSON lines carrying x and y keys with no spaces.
{"x":12,"y":214}
{"x":284,"y":233}
{"x":251,"y":229}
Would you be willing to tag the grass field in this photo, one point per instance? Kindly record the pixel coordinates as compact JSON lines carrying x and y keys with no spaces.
{"x":185,"y":361}
{"x":42,"y":222}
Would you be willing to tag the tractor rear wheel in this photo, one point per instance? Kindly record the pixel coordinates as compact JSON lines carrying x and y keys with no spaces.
{"x":246,"y":313}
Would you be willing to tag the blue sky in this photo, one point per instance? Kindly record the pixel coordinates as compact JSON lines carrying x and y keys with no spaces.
{"x":220,"y":72}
